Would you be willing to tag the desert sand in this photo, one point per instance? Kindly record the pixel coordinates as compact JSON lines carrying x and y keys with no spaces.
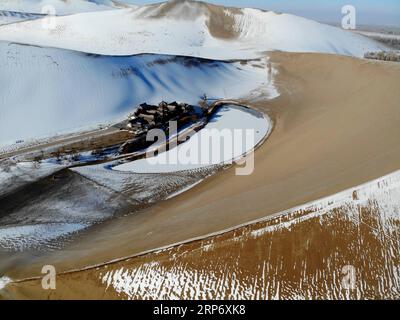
{"x":341,"y":247}
{"x":335,"y":127}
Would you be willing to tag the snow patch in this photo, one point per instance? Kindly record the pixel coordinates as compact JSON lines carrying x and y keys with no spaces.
{"x":15,"y":175}
{"x":61,"y":7}
{"x":4,"y":281}
{"x":20,"y":238}
{"x":157,"y":280}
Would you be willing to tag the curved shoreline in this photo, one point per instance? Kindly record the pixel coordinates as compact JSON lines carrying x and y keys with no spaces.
{"x":224,"y":119}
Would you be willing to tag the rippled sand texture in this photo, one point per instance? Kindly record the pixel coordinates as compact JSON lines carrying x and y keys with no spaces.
{"x":297,"y":254}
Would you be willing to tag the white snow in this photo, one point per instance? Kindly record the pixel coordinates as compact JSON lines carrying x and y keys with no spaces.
{"x":378,"y":35}
{"x":183,"y":190}
{"x":231,"y":133}
{"x":286,"y":32}
{"x":184,"y":31}
{"x":7,"y":17}
{"x":135,"y":31}
{"x":4,"y":281}
{"x":47,"y":91}
{"x":20,"y":238}
{"x":15,"y":175}
{"x":72,"y":91}
{"x":61,"y":7}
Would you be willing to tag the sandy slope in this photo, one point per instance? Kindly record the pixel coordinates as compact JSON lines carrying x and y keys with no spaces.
{"x":188,"y":28}
{"x":336,"y":126}
{"x":301,"y":254}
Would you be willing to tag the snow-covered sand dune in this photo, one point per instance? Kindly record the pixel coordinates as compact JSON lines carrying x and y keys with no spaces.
{"x":7,"y":17}
{"x":229,"y":266}
{"x":189,"y":28}
{"x":15,"y":175}
{"x":61,"y":7}
{"x":46,"y":91}
{"x":36,"y":236}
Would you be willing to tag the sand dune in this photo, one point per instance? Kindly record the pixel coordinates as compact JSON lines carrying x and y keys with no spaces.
{"x":301,"y":254}
{"x":109,"y":88}
{"x":336,"y":126}
{"x":284,"y":231}
{"x":61,"y":7}
{"x":188,"y":28}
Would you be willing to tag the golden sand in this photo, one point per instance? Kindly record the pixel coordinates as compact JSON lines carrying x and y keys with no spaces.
{"x":342,"y":247}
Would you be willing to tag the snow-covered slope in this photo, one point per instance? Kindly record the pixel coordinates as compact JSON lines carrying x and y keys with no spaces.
{"x":189,"y":28}
{"x":61,"y":7}
{"x":14,"y":175}
{"x":7,"y":17}
{"x":44,"y":91}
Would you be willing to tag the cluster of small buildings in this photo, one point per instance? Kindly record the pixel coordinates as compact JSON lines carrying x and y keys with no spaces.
{"x":147,"y":116}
